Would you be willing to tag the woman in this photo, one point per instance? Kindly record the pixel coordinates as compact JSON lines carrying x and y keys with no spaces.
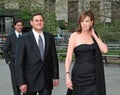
{"x":88,"y":72}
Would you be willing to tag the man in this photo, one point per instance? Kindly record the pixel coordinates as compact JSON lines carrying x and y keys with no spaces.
{"x":37,"y":70}
{"x":9,"y":52}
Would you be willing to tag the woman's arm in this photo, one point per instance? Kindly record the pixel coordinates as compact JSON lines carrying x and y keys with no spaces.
{"x":68,"y":60}
{"x":102,"y":46}
{"x":70,"y":48}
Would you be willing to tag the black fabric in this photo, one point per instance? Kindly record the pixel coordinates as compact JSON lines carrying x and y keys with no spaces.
{"x":9,"y":47}
{"x":100,"y":76}
{"x":43,"y":92}
{"x":69,"y":92}
{"x":85,"y":90}
{"x":84,"y":72}
{"x":100,"y":79}
{"x":15,"y":88}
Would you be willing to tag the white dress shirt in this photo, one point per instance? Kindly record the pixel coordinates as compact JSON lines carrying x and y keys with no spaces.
{"x":17,"y":33}
{"x":36,"y":35}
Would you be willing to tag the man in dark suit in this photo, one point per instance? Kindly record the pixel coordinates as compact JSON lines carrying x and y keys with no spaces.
{"x":9,"y":52}
{"x":37,"y":70}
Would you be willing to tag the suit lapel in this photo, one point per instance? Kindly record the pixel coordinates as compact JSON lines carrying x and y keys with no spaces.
{"x":15,"y":37}
{"x":34,"y":43}
{"x":35,"y":46}
{"x":46,"y":44}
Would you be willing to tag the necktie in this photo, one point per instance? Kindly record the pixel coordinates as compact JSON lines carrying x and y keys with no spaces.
{"x":19,"y":35}
{"x":40,"y":45}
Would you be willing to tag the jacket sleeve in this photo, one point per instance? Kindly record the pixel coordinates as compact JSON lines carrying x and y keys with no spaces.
{"x":55,"y":61}
{"x":19,"y":57}
{"x":6,"y":50}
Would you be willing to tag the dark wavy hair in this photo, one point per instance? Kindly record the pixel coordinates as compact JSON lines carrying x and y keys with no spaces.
{"x":82,"y":17}
{"x":17,"y":21}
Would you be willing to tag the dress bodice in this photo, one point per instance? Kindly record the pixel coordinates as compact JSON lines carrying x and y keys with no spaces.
{"x":83,"y":72}
{"x":85,"y":53}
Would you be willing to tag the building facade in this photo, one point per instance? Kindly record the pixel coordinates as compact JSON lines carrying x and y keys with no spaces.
{"x":65,"y":10}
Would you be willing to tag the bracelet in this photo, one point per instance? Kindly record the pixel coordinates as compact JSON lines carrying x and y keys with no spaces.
{"x":67,"y":72}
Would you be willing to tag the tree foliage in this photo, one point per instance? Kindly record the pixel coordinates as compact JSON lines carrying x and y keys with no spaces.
{"x":109,"y":32}
{"x":48,"y":12}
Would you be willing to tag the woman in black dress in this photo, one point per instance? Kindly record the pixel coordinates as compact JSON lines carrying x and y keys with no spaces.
{"x":87,"y":77}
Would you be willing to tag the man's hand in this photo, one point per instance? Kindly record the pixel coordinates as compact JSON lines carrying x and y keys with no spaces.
{"x":55,"y":82}
{"x":23,"y":88}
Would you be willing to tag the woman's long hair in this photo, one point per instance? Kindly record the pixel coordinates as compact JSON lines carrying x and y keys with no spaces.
{"x":82,"y":17}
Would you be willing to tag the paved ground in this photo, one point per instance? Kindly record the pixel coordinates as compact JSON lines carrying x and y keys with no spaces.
{"x":112,"y":75}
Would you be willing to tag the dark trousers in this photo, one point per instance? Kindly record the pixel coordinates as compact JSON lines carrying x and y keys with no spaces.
{"x":16,"y":90}
{"x":43,"y":92}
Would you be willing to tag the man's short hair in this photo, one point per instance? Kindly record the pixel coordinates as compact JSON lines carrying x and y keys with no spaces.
{"x":31,"y":18}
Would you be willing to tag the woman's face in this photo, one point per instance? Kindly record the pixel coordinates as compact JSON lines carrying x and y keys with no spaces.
{"x":86,"y":24}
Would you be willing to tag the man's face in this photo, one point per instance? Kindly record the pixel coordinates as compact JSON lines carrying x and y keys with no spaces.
{"x":37,"y":23}
{"x":18,"y":27}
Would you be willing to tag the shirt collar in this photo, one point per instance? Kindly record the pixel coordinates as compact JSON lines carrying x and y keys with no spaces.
{"x":17,"y":33}
{"x":36,"y":34}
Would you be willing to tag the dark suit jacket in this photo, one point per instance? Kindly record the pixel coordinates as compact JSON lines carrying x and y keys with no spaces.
{"x":30,"y":68}
{"x":9,"y":47}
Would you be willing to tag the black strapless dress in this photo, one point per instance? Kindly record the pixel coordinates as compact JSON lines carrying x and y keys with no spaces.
{"x":84,"y":72}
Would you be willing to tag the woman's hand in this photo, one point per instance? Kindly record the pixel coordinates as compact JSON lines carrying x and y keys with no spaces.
{"x":102,"y":46}
{"x":92,"y":32}
{"x":69,"y":84}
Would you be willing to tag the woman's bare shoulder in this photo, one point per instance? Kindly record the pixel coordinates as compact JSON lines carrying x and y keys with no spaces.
{"x":74,"y":34}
